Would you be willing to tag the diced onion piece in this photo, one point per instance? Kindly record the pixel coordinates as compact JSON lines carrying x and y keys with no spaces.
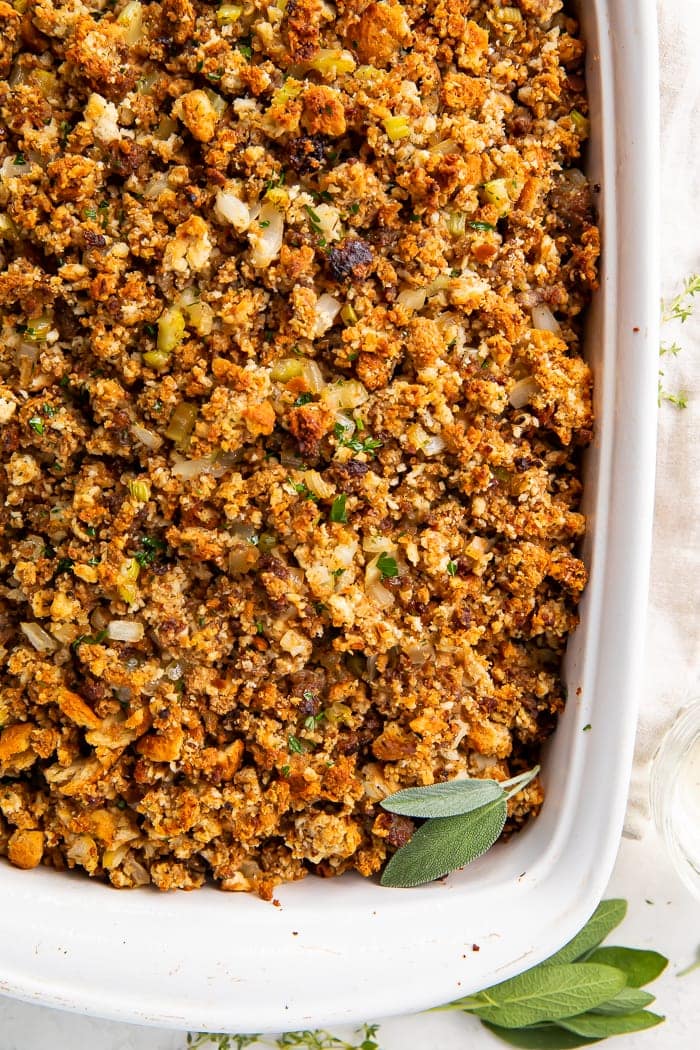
{"x":544,"y":319}
{"x":218,"y":103}
{"x":125,"y":631}
{"x":507,"y":14}
{"x":313,"y":376}
{"x":140,"y":490}
{"x":243,"y":559}
{"x":14,"y":170}
{"x":445,"y":146}
{"x":581,"y":123}
{"x":420,"y":654}
{"x":171,"y":329}
{"x":182,"y":423}
{"x":146,"y":437}
{"x":317,"y":485}
{"x":440,"y":284}
{"x":228,"y":14}
{"x":243,"y":531}
{"x":130,"y":20}
{"x":27,"y":357}
{"x":285,"y":369}
{"x":38,"y":329}
{"x":265,"y":236}
{"x":331,"y":62}
{"x":413,"y":298}
{"x":433,"y":445}
{"x":457,"y":223}
{"x":192,"y":468}
{"x":501,"y":192}
{"x":201,"y":317}
{"x":377,"y":544}
{"x":522,"y":392}
{"x":8,"y":229}
{"x":575,"y":176}
{"x":38,"y":637}
{"x":375,"y":589}
{"x":126,"y":585}
{"x":327,"y":309}
{"x":166,"y":127}
{"x":351,"y":394}
{"x":229,"y":208}
{"x":48,"y":82}
{"x":397,"y":127}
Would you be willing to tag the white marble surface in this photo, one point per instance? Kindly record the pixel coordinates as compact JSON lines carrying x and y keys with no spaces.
{"x":662,"y":915}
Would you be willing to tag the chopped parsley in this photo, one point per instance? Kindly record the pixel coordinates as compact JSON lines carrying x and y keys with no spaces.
{"x":151,"y":548}
{"x":452,"y":568}
{"x":89,"y":639}
{"x":345,"y":440}
{"x":20,"y":158}
{"x":315,"y":223}
{"x":64,"y":565}
{"x":338,"y":510}
{"x":387,"y":566}
{"x":302,"y":489}
{"x":312,"y":722}
{"x":244,"y":46}
{"x":37,"y":424}
{"x":295,"y":745}
{"x":303,"y":399}
{"x":481,"y":226}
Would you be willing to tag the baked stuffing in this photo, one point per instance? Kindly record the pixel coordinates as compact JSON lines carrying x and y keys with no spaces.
{"x":291,"y":408}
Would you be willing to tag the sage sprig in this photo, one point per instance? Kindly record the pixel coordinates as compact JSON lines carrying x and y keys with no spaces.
{"x":579,"y":995}
{"x":463,"y":819}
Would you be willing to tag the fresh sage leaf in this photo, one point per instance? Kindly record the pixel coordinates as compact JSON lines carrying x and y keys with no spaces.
{"x":628,"y":1001}
{"x":543,"y":1037}
{"x":450,"y":799}
{"x":444,"y":844}
{"x":603,"y":921}
{"x":597,"y":1027}
{"x":548,"y":993}
{"x":638,"y":966}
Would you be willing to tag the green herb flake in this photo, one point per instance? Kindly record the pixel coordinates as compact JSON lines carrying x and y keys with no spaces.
{"x":295,"y":745}
{"x":37,"y":424}
{"x":452,"y":567}
{"x":387,"y":566}
{"x":481,"y":226}
{"x":338,"y":510}
{"x":151,"y":547}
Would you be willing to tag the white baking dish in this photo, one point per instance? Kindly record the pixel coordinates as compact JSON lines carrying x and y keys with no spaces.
{"x":346,"y":950}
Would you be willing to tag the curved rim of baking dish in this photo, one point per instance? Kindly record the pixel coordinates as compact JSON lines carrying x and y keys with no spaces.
{"x":348,"y":950}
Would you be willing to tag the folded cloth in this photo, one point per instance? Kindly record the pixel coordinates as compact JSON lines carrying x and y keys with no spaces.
{"x":672,"y":669}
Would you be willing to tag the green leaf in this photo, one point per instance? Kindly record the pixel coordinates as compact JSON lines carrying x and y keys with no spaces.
{"x":545,"y":1037}
{"x":441,"y":845}
{"x":638,"y":966}
{"x":604,"y":919}
{"x":444,"y":800}
{"x":548,"y":993}
{"x":338,"y":511}
{"x":598,"y":1027}
{"x":628,"y":1001}
{"x":387,"y":566}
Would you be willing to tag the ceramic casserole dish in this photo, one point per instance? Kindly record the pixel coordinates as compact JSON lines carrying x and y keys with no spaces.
{"x":345,"y":950}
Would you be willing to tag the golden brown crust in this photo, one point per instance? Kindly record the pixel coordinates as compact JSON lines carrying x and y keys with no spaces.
{"x":290,"y":486}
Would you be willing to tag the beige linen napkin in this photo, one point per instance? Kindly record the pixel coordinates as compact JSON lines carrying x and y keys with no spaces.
{"x":672,"y":670}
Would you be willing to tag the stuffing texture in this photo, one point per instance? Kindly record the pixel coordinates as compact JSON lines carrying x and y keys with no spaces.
{"x":291,"y":410}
